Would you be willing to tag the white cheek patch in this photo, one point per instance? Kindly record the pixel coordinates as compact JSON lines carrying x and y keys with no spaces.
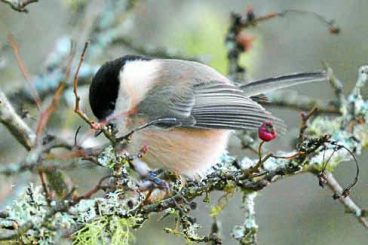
{"x":137,"y":78}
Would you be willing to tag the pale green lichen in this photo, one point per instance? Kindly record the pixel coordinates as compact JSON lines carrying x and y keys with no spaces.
{"x":114,"y":203}
{"x":189,"y":233}
{"x":246,"y":233}
{"x":107,"y":230}
{"x":229,"y":190}
{"x":331,"y":157}
{"x":108,"y":157}
{"x":104,"y":220}
{"x":276,"y":163}
{"x":32,"y":207}
{"x":361,"y":132}
{"x":324,"y":125}
{"x":246,"y":163}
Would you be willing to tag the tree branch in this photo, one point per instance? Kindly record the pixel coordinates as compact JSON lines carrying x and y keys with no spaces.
{"x":19,"y":5}
{"x":348,"y":203}
{"x":21,"y":131}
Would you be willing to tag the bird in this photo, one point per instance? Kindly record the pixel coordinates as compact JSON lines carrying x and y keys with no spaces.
{"x":190,"y":109}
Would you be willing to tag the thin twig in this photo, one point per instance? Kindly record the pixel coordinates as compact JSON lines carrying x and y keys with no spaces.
{"x":347,"y":189}
{"x":94,"y":190}
{"x":336,"y":84}
{"x":94,"y":125}
{"x":46,"y":114}
{"x":13,"y":44}
{"x":349,"y":204}
{"x":304,"y":122}
{"x":75,"y":89}
{"x":69,"y":62}
{"x":333,"y":29}
{"x":41,"y":174}
{"x":249,"y":173}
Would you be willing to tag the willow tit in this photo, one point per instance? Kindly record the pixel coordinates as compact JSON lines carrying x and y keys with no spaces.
{"x":192,"y":106}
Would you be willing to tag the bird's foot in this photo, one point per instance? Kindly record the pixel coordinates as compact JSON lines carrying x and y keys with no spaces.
{"x":154,"y":180}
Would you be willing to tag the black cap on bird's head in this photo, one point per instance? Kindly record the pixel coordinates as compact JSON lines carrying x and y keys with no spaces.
{"x":104,"y":88}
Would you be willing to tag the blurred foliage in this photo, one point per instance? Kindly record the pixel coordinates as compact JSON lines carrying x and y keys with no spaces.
{"x":75,"y":5}
{"x":205,"y":39}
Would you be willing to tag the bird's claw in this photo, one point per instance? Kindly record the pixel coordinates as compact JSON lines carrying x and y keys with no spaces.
{"x":155,"y":180}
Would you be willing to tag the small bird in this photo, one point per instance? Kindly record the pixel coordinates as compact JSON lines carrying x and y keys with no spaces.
{"x":190,"y":107}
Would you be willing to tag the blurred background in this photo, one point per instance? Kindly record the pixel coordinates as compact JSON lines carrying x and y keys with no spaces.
{"x":292,"y":211}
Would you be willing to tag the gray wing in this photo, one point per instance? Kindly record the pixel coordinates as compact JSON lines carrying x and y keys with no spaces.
{"x":273,"y":83}
{"x":212,"y":104}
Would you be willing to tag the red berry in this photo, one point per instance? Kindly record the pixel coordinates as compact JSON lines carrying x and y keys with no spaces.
{"x":266,"y":132}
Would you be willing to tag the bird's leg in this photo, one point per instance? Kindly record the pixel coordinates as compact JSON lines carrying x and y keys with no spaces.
{"x":153,"y":176}
{"x":154,"y":187}
{"x":150,"y":178}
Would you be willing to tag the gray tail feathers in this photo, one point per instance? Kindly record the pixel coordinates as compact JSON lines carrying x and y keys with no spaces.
{"x":273,"y":83}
